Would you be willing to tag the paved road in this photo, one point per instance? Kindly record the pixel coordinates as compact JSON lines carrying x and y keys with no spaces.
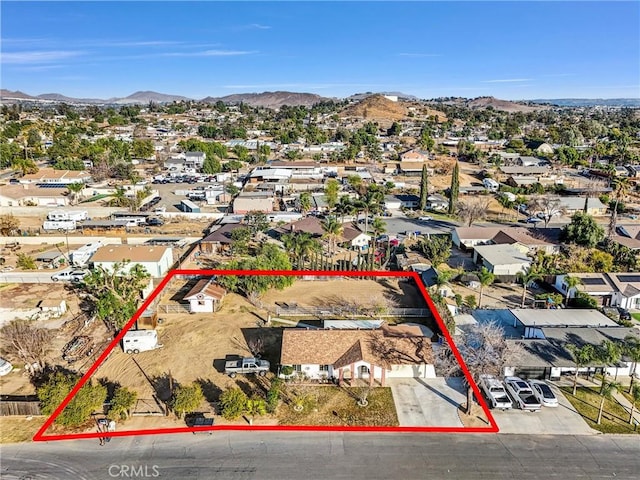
{"x":324,"y":455}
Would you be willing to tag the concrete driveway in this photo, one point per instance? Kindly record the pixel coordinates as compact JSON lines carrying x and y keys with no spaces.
{"x":560,"y":420}
{"x":431,"y":402}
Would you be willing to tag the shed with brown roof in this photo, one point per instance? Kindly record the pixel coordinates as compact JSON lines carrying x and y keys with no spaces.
{"x":205,"y":296}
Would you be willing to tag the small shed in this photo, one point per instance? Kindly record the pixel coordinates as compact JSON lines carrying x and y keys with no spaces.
{"x":205,"y":296}
{"x":55,"y":308}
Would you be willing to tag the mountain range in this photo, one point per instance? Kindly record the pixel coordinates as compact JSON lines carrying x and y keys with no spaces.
{"x":278,"y":99}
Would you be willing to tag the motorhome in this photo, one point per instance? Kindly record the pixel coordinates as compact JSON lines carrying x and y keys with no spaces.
{"x":490,"y":184}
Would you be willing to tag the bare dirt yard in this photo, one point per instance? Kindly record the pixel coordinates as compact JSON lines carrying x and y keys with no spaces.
{"x":195,"y":347}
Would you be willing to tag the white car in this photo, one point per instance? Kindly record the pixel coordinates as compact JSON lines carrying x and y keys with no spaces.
{"x":522,"y":394}
{"x":543,"y":393}
{"x":5,"y":367}
{"x":426,"y":218}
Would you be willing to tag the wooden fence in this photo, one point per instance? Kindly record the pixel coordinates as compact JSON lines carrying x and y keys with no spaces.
{"x":293,"y":310}
{"x":19,"y":407}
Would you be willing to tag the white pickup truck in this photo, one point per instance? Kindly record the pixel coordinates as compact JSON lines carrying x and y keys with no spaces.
{"x":522,"y":394}
{"x":246,"y":365}
{"x":495,"y":392}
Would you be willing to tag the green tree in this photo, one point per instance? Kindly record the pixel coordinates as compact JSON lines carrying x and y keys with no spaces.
{"x":437,"y":249}
{"x":486,"y":278}
{"x":256,"y":221}
{"x":88,"y":399}
{"x":470,"y":301}
{"x":454,"y":189}
{"x":305,"y":202}
{"x":74,"y":190}
{"x":116,"y":292}
{"x":606,"y":392}
{"x":211,"y":165}
{"x":254,"y":407}
{"x":26,"y":262}
{"x":233,"y":403}
{"x":300,"y":245}
{"x":526,"y":277}
{"x":332,"y":231}
{"x":609,"y":353}
{"x":424,"y":188}
{"x":331,"y":189}
{"x":241,"y":153}
{"x":620,"y":191}
{"x":571,"y":283}
{"x":142,"y":148}
{"x":122,"y":402}
{"x":582,"y":357}
{"x":583,"y":230}
{"x":186,"y":399}
{"x":632,"y":350}
{"x":240,"y":237}
{"x":635,"y":398}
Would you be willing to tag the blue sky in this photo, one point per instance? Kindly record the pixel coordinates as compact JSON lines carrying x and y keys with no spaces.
{"x":511,"y":50}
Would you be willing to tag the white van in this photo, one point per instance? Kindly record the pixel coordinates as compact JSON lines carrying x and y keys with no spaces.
{"x":490,"y":184}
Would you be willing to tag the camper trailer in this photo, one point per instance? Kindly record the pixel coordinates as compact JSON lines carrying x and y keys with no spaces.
{"x":136,"y":341}
{"x":62,"y":215}
{"x":490,"y":184}
{"x":81,"y":256}
{"x":59,"y":225}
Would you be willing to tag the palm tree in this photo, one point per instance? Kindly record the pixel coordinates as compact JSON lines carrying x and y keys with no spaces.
{"x":526,"y":277}
{"x":620,"y":191}
{"x":333,"y":230}
{"x":345,"y":207}
{"x":571,"y":283}
{"x":609,"y":353}
{"x":119,"y":198}
{"x":486,"y":278}
{"x":635,"y":398}
{"x":632,"y":350}
{"x":74,"y":191}
{"x":305,"y":202}
{"x":582,"y":356}
{"x":607,"y":391}
{"x":443,"y":278}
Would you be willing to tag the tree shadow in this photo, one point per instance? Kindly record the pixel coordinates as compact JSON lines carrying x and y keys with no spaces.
{"x":210,"y":390}
{"x":38,"y":379}
{"x":163,"y":385}
{"x":110,"y":385}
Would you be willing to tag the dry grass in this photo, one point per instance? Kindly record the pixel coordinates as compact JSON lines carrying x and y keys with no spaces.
{"x":330,"y":405}
{"x":19,"y":429}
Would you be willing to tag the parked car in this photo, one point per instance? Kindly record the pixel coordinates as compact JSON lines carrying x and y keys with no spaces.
{"x":495,"y":392}
{"x":522,"y":394}
{"x":5,"y":367}
{"x":534,"y":220}
{"x":69,"y":275}
{"x":543,"y":393}
{"x":155,"y":222}
{"x":425,"y":218}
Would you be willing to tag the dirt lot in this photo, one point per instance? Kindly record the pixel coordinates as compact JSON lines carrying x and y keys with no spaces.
{"x":195,"y":345}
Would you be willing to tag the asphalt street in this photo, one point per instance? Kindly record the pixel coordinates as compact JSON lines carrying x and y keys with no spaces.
{"x":328,"y":455}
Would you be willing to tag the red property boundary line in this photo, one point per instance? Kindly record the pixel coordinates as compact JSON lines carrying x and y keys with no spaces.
{"x":493,"y":428}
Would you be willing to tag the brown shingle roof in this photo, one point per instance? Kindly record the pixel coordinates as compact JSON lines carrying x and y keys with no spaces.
{"x":386,"y":346}
{"x":209,"y":289}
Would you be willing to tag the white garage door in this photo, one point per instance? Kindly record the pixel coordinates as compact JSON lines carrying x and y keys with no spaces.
{"x":411,"y":371}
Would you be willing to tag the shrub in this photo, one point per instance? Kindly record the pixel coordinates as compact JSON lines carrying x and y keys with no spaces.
{"x":186,"y":399}
{"x":234,"y":403}
{"x":122,"y":402}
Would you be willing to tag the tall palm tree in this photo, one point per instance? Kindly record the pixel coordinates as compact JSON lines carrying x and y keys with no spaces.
{"x":635,"y":398}
{"x":632,"y":350}
{"x":609,"y":353}
{"x":74,"y":191}
{"x":332,"y":231}
{"x":345,"y":207}
{"x":486,"y":278}
{"x":620,"y":187}
{"x":607,"y":391}
{"x":571,"y":283}
{"x":582,"y":356}
{"x":305,"y":202}
{"x":526,"y":277}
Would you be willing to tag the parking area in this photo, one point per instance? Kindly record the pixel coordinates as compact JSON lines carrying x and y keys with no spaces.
{"x":561,"y":420}
{"x":431,"y":402}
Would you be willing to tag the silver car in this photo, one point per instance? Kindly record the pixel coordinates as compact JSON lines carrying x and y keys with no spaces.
{"x":543,"y":393}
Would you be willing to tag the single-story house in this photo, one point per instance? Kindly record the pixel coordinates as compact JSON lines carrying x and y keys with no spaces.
{"x":52,"y":176}
{"x":469,"y":237}
{"x":205,"y":296}
{"x":156,"y":260}
{"x":437,"y":202}
{"x":610,"y":289}
{"x":414,"y":156}
{"x":388,"y":352}
{"x":220,"y":239}
{"x":406,"y":201}
{"x":354,"y":238}
{"x":247,"y":202}
{"x":501,"y":260}
{"x":31,"y":195}
{"x":576,"y":204}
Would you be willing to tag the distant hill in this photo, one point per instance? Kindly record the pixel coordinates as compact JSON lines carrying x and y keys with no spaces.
{"x":378,"y":108}
{"x":8,"y":94}
{"x":148,"y":96}
{"x":61,"y":98}
{"x":501,"y":105}
{"x":590,"y":102}
{"x":270,"y":99}
{"x":400,"y":95}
